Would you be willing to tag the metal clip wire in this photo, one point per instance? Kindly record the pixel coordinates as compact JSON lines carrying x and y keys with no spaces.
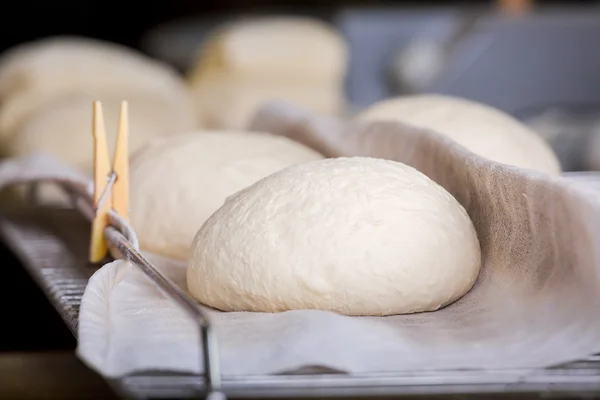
{"x":111,"y":179}
{"x":208,"y":341}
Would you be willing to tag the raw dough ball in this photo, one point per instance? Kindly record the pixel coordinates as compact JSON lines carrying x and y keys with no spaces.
{"x":302,"y":48}
{"x":358,"y":236}
{"x":178,"y":182}
{"x":64,"y":129}
{"x":483,"y":130}
{"x":46,"y":92}
{"x":253,"y":61}
{"x":35,"y":74}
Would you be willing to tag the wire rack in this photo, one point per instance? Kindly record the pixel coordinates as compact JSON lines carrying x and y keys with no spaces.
{"x":58,"y":270}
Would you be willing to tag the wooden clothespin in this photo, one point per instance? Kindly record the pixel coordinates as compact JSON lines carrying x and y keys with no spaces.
{"x":111,"y":185}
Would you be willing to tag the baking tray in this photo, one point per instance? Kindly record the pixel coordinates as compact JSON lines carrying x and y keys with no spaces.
{"x":63,"y":279}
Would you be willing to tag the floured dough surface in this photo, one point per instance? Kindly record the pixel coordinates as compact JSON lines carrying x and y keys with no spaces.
{"x":481,"y":129}
{"x":47,"y":88}
{"x":76,"y":59}
{"x":64,"y":129}
{"x":178,"y":182}
{"x":298,"y":47}
{"x":35,"y":74}
{"x":357,"y":236}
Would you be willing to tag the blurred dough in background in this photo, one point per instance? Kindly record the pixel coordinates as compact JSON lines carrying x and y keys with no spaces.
{"x":249,"y":62}
{"x":35,"y":74}
{"x":47,"y":89}
{"x":179,"y":181}
{"x":481,"y":129}
{"x":63,"y":128}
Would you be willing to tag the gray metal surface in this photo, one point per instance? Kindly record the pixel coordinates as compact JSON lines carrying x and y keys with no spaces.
{"x":60,"y":271}
{"x":374,"y":36}
{"x":517,"y":65}
{"x":59,"y":267}
{"x":548,"y":58}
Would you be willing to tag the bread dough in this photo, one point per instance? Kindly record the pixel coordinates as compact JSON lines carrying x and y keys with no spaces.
{"x":291,"y":47}
{"x":481,"y":129}
{"x":35,"y":74}
{"x":64,"y":130}
{"x":74,"y":60}
{"x":357,"y":236}
{"x":46,"y":92}
{"x":178,"y":182}
{"x":253,"y":61}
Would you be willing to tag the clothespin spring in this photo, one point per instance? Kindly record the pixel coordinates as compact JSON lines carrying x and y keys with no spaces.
{"x":111,"y":178}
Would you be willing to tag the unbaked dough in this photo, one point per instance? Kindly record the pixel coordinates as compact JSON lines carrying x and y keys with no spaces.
{"x":357,"y":236}
{"x":178,"y":182}
{"x":64,"y":129}
{"x":46,"y":92}
{"x":481,"y":129}
{"x":297,"y":47}
{"x":249,"y":62}
{"x":34,"y":75}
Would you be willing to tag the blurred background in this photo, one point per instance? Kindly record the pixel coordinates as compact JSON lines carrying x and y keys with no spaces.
{"x":538,"y":61}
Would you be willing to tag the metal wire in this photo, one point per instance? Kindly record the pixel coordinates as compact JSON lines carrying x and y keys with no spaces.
{"x":121,"y":248}
{"x":111,"y":179}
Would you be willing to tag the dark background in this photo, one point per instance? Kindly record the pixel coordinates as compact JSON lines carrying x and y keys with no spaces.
{"x":125,"y":21}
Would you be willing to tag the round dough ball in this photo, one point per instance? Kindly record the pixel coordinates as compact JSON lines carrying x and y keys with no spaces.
{"x":76,"y":60}
{"x":290,"y":47}
{"x":481,"y":129}
{"x":178,"y":182}
{"x":64,"y":130}
{"x":357,"y":236}
{"x":34,"y":75}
